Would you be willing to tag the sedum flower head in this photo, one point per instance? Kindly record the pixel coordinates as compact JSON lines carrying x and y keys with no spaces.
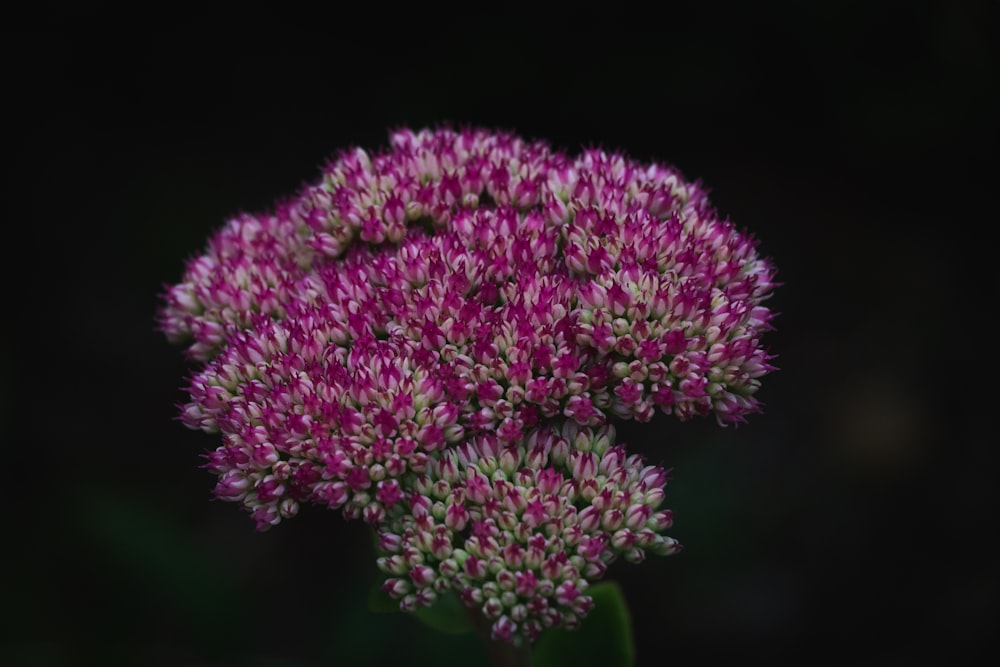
{"x":438,"y":338}
{"x":520,"y":530}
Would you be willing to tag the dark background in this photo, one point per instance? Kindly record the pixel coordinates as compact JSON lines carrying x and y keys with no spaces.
{"x":849,"y":524}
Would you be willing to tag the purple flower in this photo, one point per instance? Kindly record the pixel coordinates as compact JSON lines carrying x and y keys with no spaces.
{"x":537,"y":527}
{"x":437,"y":338}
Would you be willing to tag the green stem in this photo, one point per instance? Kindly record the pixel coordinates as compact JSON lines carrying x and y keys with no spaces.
{"x":501,"y":653}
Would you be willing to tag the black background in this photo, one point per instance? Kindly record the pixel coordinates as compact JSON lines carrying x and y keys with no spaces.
{"x":849,"y":524}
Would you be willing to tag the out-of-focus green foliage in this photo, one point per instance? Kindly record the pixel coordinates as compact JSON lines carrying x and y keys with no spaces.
{"x":604,"y":637}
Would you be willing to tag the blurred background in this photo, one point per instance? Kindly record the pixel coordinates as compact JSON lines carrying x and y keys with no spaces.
{"x":849,"y":524}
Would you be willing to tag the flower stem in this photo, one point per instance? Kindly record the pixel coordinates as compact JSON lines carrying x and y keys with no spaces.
{"x":501,"y":653}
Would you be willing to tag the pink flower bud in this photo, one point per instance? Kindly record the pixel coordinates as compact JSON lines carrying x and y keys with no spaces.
{"x":492,"y":608}
{"x":589,"y":519}
{"x":566,"y":593}
{"x":422,"y":576}
{"x":503,"y":629}
{"x":232,"y":486}
{"x":396,"y":588}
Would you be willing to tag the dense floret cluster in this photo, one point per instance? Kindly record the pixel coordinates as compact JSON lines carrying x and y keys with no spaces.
{"x":438,"y":339}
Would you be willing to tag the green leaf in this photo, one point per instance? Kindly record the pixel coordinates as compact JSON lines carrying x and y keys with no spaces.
{"x":446,"y":615}
{"x":604,"y":637}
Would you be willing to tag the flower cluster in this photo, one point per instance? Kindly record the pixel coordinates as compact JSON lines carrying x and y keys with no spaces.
{"x":437,"y":339}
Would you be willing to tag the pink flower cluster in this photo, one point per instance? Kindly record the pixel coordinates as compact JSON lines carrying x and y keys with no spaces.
{"x":437,"y":339}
